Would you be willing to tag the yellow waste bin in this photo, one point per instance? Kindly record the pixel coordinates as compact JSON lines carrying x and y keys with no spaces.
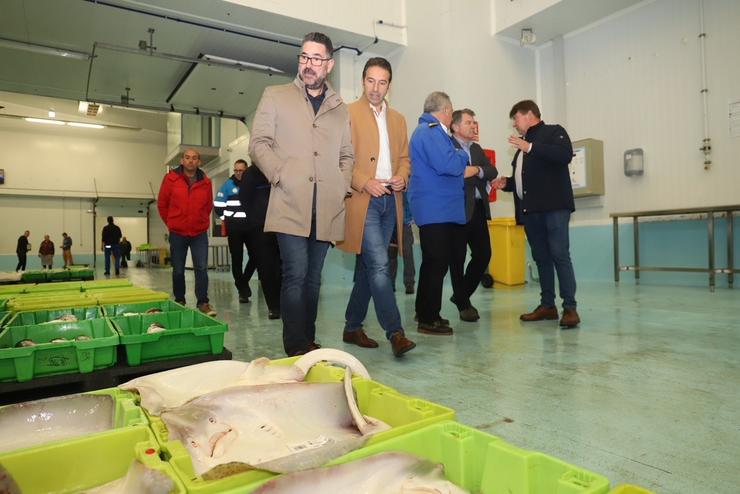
{"x":507,"y":244}
{"x":629,"y":489}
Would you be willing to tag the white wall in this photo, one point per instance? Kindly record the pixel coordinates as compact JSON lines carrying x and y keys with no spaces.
{"x":633,"y":81}
{"x":509,"y":12}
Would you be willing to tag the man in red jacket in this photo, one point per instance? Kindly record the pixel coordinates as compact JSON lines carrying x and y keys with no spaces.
{"x":185,"y":201}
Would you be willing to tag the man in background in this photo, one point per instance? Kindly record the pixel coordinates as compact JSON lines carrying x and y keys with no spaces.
{"x":185,"y":201}
{"x":21,"y":250}
{"x":111,"y":238}
{"x":125,"y":247}
{"x":543,"y":198}
{"x":229,"y":208}
{"x":46,"y":253}
{"x":465,"y":280}
{"x":67,"y":250}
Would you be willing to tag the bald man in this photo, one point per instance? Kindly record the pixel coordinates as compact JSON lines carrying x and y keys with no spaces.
{"x":185,"y":202}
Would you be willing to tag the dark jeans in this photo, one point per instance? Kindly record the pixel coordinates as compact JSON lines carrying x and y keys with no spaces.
{"x":409,"y":269}
{"x":198,"y":245}
{"x":21,"y":262}
{"x":114,"y":250}
{"x":477,"y":238}
{"x":440,"y":242}
{"x":242,"y":274}
{"x":372,"y":275}
{"x":303,"y":260}
{"x":547,"y":233}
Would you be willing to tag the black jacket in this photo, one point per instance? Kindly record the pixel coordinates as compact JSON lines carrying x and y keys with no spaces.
{"x":254,"y":194}
{"x":22,"y":247}
{"x":111,"y":234}
{"x":477,"y":158}
{"x":545,"y":176}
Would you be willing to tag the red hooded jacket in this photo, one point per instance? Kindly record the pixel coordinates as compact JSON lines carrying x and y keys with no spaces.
{"x":184,"y":208}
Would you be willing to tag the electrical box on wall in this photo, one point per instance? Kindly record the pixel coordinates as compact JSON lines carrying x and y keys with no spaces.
{"x":634,"y":162}
{"x":587,"y":168}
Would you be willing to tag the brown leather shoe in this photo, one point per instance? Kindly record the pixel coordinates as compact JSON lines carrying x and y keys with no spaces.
{"x":313,"y":346}
{"x":437,"y":327}
{"x":570,"y":319}
{"x":541,"y":313}
{"x":359,"y":338}
{"x":400,"y":344}
{"x":470,"y":314}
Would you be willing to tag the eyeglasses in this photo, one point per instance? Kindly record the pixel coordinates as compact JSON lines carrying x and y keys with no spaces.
{"x":315,"y":61}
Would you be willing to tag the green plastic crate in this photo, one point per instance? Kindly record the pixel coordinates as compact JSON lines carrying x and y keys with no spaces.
{"x":403,"y":413}
{"x":23,"y":364}
{"x":126,"y":413}
{"x":9,"y":291}
{"x":110,"y":283}
{"x":629,"y":489}
{"x":82,"y":464}
{"x":49,"y":300}
{"x":30,"y":318}
{"x":482,"y":463}
{"x":34,"y":276}
{"x":114,"y":310}
{"x":107,"y":297}
{"x":57,"y":274}
{"x":4,"y":317}
{"x":81,"y":273}
{"x":62,"y":286}
{"x":187,"y":332}
{"x":3,"y":303}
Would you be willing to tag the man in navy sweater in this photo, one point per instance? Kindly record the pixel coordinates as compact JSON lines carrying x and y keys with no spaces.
{"x":543,"y":198}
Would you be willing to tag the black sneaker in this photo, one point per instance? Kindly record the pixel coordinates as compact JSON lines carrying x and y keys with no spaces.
{"x":437,"y":328}
{"x":273,"y":314}
{"x":243,"y":298}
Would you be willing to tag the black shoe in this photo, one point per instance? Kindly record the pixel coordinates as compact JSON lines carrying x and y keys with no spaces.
{"x":470,"y":314}
{"x":437,"y":327}
{"x":410,"y":290}
{"x":106,"y":273}
{"x":273,"y":314}
{"x":181,"y":302}
{"x":441,"y":320}
{"x":243,"y":299}
{"x":117,"y":272}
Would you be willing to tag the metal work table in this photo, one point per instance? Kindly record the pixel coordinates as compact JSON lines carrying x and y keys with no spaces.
{"x":711,"y":269}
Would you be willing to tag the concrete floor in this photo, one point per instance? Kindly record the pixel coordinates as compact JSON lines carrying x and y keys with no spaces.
{"x":647,"y":391}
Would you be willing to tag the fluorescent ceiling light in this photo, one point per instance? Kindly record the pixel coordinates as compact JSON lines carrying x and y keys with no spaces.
{"x":86,"y":125}
{"x":239,"y":63}
{"x":43,"y":49}
{"x":90,"y":109}
{"x":52,"y":114}
{"x":43,"y":121}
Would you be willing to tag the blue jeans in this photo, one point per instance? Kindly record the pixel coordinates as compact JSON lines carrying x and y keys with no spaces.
{"x":303,"y":260}
{"x":547,"y":233}
{"x":116,"y":251}
{"x":372,"y":272}
{"x":198,"y":245}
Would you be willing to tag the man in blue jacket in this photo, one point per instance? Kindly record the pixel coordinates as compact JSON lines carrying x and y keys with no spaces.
{"x":543,"y":198}
{"x":437,"y":199}
{"x":231,"y":211}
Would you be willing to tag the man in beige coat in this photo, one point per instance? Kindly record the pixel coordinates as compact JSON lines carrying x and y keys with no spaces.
{"x":380,"y":174}
{"x":301,"y":142}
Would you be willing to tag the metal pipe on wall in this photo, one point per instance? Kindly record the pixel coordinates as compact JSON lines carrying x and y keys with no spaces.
{"x":706,"y":143}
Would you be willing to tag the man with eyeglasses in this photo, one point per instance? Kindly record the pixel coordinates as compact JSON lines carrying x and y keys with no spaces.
{"x":301,"y":142}
{"x":230,"y":210}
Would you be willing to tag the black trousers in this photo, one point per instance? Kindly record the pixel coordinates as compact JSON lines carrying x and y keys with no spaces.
{"x":21,"y":261}
{"x":264,"y":256}
{"x":477,"y":238}
{"x":242,"y":274}
{"x":440,"y":242}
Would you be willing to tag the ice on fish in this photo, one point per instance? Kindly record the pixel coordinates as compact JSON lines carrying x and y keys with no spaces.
{"x":383,"y":473}
{"x":155,"y":327}
{"x":64,"y":318}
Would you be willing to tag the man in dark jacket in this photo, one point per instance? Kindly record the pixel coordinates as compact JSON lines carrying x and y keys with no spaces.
{"x":477,"y":213}
{"x":21,"y":250}
{"x":229,"y":208}
{"x":254,"y":195}
{"x":111,"y":247}
{"x":125,"y":247}
{"x":543,"y":198}
{"x":185,"y":201}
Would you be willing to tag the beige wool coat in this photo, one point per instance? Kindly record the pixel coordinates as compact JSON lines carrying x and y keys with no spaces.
{"x":296,"y":150}
{"x":365,"y":139}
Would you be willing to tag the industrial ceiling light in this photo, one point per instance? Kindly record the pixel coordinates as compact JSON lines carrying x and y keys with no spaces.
{"x":52,"y":113}
{"x":89,"y":109}
{"x":43,"y":49}
{"x":86,"y":125}
{"x":43,"y":121}
{"x":238,"y":64}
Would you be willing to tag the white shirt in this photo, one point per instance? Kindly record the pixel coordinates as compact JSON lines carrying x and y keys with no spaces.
{"x":383,"y":170}
{"x":518,"y":173}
